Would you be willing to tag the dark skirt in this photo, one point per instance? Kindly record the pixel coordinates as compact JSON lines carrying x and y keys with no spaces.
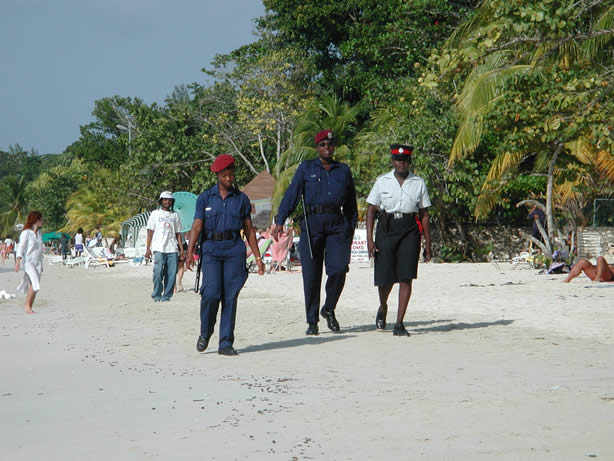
{"x":398,"y":242}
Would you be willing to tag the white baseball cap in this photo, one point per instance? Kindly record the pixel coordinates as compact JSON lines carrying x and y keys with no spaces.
{"x":166,"y":194}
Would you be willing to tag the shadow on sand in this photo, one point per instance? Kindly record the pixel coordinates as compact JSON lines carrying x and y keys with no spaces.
{"x":462,"y":326}
{"x":287,"y":343}
{"x":412,"y":326}
{"x":371,"y":326}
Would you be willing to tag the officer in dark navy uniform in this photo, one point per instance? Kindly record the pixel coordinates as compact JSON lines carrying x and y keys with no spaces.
{"x":223,"y":211}
{"x":327,"y":229}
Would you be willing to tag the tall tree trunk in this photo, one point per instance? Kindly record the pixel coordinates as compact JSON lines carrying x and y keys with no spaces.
{"x":266,"y":164}
{"x":278,"y":150}
{"x":549,"y":216}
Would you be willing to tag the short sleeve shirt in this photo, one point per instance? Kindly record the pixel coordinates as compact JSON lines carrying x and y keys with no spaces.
{"x":165,"y":225}
{"x":221,"y":215}
{"x":388,"y":195}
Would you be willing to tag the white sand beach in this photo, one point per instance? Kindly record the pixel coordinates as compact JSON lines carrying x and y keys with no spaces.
{"x":501,"y":364}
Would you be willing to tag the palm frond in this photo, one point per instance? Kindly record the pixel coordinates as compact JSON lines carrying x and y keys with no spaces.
{"x":503,"y":163}
{"x":595,"y":46}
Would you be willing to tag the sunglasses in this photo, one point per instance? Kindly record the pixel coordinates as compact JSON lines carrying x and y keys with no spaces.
{"x":326,"y":143}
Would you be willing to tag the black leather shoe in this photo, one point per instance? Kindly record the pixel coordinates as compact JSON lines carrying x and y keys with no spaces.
{"x":399,"y":330}
{"x":228,"y":351}
{"x":380,"y":319}
{"x":201,"y":344}
{"x":331,"y":321}
{"x":312,"y":330}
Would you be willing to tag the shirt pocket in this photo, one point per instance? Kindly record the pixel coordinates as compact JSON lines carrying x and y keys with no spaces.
{"x":210,"y":220}
{"x":387,"y":200}
{"x":336,"y":188}
{"x":312,"y":187}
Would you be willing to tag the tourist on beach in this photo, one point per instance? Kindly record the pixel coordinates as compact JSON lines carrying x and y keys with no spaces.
{"x":222,"y":211}
{"x":98,"y":236}
{"x":30,"y":250}
{"x":79,"y":242}
{"x":163,"y":228}
{"x":181,"y":266}
{"x":400,"y":201}
{"x":326,"y":188}
{"x":64,"y":241}
{"x":3,"y":249}
{"x":602,"y":272}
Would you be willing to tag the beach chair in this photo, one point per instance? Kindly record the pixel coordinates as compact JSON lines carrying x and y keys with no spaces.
{"x":93,"y":257}
{"x":72,"y":262}
{"x":263,"y":246}
{"x":54,"y":259}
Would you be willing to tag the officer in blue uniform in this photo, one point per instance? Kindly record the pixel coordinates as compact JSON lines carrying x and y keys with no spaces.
{"x":327,"y":229}
{"x":221,"y":212}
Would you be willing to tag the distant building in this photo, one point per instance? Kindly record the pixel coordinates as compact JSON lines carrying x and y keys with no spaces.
{"x":260,"y":192}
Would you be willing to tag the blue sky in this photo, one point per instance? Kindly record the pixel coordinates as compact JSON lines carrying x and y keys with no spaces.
{"x":58,"y":56}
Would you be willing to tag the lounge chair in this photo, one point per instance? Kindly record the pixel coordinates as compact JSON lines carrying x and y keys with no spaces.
{"x":263,"y":246}
{"x":93,"y":257}
{"x":72,"y":262}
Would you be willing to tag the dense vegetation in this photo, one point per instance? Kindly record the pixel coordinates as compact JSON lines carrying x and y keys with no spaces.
{"x":504,"y":101}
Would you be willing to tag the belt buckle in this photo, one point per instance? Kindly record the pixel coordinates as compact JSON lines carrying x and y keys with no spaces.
{"x":398,"y":215}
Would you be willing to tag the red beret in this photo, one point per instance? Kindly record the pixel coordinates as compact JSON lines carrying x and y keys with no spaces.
{"x":324,"y":134}
{"x":222,"y":162}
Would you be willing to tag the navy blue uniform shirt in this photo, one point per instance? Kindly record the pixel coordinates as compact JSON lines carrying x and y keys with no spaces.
{"x":334,"y":187}
{"x":222,"y":215}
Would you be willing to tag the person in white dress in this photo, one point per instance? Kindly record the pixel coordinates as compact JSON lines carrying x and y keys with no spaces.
{"x":30,"y":250}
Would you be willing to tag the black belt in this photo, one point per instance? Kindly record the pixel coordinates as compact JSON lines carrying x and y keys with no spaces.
{"x":383,"y":214}
{"x":323,"y":210}
{"x":226,"y":235}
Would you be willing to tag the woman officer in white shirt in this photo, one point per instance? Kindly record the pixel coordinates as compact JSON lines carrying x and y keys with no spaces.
{"x":400,"y":201}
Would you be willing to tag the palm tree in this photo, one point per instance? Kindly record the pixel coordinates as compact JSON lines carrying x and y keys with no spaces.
{"x":485,"y":87}
{"x":13,"y":208}
{"x":328,"y":113}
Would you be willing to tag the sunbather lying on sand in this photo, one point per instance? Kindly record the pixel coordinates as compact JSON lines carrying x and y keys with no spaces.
{"x":602,"y":272}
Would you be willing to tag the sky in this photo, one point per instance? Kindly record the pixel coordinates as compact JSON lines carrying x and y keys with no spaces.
{"x":58,"y":56}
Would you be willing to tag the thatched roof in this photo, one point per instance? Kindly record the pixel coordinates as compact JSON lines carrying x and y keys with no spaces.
{"x":261,"y":187}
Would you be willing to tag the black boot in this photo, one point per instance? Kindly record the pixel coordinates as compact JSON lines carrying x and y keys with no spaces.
{"x":312,"y":330}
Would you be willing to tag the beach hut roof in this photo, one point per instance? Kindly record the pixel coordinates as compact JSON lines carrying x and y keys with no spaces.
{"x":261,"y":187}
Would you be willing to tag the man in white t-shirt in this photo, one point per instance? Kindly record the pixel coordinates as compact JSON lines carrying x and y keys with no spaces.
{"x":163,"y":228}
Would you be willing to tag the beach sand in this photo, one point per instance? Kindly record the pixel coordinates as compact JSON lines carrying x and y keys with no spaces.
{"x":501,"y":364}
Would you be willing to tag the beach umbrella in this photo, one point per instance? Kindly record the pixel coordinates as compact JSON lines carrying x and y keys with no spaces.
{"x":185,"y":206}
{"x":49,"y":236}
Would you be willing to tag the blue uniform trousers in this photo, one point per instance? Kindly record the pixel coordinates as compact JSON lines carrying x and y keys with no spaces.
{"x":164,"y":273}
{"x":330,"y":242}
{"x":224,"y":274}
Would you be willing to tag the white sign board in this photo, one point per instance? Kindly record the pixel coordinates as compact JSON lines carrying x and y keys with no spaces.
{"x":360,"y":254}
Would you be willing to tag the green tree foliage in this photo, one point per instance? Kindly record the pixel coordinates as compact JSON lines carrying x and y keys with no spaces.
{"x":361,"y":47}
{"x":50,"y":190}
{"x":102,"y":142}
{"x":536,"y":83}
{"x":13,"y":207}
{"x":102,"y":201}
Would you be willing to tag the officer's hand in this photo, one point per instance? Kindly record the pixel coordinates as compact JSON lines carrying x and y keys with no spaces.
{"x":427,"y":254}
{"x":260,"y":267}
{"x":189,"y":261}
{"x":372,"y":248}
{"x":276,"y":230}
{"x":147,"y":253}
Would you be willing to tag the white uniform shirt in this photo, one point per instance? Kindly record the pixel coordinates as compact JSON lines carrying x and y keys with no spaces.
{"x":388,"y":195}
{"x":164,"y":224}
